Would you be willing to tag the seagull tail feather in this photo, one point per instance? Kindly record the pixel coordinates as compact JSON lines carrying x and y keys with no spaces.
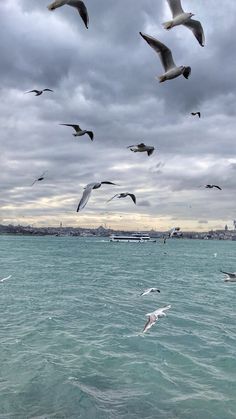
{"x":161,"y":79}
{"x":167,"y":25}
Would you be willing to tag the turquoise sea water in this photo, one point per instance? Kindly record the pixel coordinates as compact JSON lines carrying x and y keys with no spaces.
{"x":70,"y":323}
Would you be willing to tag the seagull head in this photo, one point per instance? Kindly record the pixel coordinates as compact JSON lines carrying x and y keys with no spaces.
{"x":191,"y":14}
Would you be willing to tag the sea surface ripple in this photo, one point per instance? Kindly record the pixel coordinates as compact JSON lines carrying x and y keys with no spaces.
{"x":71,"y":322}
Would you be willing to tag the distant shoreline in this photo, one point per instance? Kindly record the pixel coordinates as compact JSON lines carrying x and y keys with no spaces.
{"x":104,"y":232}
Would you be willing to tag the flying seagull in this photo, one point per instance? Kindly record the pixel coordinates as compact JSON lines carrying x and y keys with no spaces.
{"x":182,"y":18}
{"x":79,"y":131}
{"x":148,"y":290}
{"x":196,"y":113}
{"x":124,"y":195}
{"x":212,"y":186}
{"x":153,"y":317}
{"x":141,"y":148}
{"x":4,"y":279}
{"x":87,"y":192}
{"x":39,"y":179}
{"x":165,"y":54}
{"x":39,"y":92}
{"x":79,"y":5}
{"x":231,"y":276}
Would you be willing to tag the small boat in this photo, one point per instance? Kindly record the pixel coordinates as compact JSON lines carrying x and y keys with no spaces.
{"x":133,"y":238}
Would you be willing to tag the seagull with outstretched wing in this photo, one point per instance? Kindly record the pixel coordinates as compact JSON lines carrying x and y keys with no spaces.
{"x":124,"y":195}
{"x":153,"y":317}
{"x":39,"y":92}
{"x":165,"y":55}
{"x":210,"y":186}
{"x":39,"y":179}
{"x":196,"y":113}
{"x":142,"y":148}
{"x":79,"y":132}
{"x":149,"y":290}
{"x":87,"y":192}
{"x":182,"y":18}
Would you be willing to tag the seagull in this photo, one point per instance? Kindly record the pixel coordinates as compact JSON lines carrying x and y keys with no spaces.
{"x":141,"y":148}
{"x":212,"y":186}
{"x":124,"y":195}
{"x":231,"y":276}
{"x":39,"y":179}
{"x":4,"y":279}
{"x":87,"y":192}
{"x":148,"y":290}
{"x":153,"y":317}
{"x":196,"y":113}
{"x":39,"y":92}
{"x":182,"y":18}
{"x":79,"y":5}
{"x":165,"y":54}
{"x":79,"y":131}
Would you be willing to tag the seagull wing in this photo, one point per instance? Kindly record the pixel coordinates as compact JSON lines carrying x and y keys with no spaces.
{"x":58,"y":3}
{"x":145,"y":292}
{"x":162,"y":50}
{"x":231,"y":275}
{"x":151,"y":321}
{"x":113,"y":197}
{"x":108,"y":183}
{"x":217,"y":187}
{"x":47,"y":90}
{"x":82,"y":9}
{"x":4,"y":279}
{"x":85,"y":197}
{"x":132,"y":196}
{"x":175,"y":7}
{"x":197,"y":29}
{"x":161,"y":311}
{"x":33,"y":91}
{"x":149,"y":152}
{"x":76,"y":127}
{"x":90,"y":133}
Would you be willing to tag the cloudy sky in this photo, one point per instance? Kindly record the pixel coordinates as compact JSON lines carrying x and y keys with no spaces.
{"x":104,"y":79}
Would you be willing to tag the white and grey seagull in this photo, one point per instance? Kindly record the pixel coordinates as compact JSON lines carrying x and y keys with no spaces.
{"x":149,"y":290}
{"x":124,"y":195}
{"x":87,"y":192}
{"x":231,"y":276}
{"x":39,"y":179}
{"x":39,"y":92}
{"x":142,"y":148}
{"x":153,"y":317}
{"x":79,"y":5}
{"x":182,"y":18}
{"x":79,"y":132}
{"x":165,"y":54}
{"x":5,"y":279}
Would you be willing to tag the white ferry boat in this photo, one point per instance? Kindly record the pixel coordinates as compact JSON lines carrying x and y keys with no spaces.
{"x":135,"y":238}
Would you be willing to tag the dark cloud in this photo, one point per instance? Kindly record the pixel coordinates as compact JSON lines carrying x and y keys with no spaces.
{"x":104,"y":79}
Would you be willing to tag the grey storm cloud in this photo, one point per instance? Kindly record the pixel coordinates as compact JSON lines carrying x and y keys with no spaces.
{"x":104,"y":79}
